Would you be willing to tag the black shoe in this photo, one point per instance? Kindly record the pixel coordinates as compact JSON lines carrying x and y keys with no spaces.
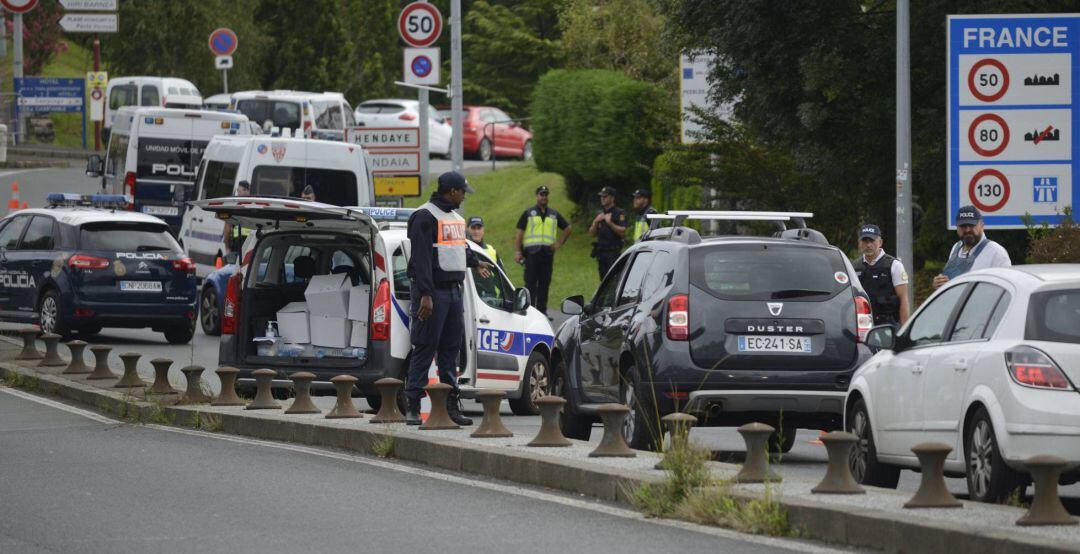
{"x":453,"y":408}
{"x":412,"y":414}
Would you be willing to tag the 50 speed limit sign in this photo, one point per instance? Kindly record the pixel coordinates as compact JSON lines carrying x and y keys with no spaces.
{"x":420,"y":24}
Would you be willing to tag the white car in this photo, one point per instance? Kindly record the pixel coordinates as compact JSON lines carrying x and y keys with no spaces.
{"x":406,"y":113}
{"x":988,"y":365}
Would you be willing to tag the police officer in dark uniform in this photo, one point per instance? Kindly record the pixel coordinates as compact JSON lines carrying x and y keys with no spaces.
{"x":643,"y":205}
{"x":609,"y":227}
{"x":883,"y":277}
{"x":436,"y":271}
{"x":535,"y":242}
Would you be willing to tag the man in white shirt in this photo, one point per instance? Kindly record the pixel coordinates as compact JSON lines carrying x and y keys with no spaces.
{"x":883,"y":278}
{"x":974,"y":251}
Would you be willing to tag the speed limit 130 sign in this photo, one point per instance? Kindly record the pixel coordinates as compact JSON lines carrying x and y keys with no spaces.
{"x":420,"y":24}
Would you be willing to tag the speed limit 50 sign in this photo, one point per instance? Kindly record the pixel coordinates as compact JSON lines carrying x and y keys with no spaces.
{"x":420,"y":24}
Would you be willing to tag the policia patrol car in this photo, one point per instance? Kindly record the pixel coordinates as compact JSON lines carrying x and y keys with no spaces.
{"x":508,"y":342}
{"x":81,"y":264}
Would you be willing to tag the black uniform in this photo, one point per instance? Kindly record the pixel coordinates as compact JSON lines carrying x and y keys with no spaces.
{"x":877,"y":280}
{"x":539,"y":260}
{"x":608,"y":243}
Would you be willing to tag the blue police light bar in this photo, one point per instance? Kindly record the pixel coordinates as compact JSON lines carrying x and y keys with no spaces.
{"x":55,"y":199}
{"x":379,"y":213}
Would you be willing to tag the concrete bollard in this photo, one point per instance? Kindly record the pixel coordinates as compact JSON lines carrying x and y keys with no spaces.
{"x":838,"y":479}
{"x":52,"y":357}
{"x":755,"y":468}
{"x":130,"y":378}
{"x":491,"y":426}
{"x":550,"y":435}
{"x":29,"y":349}
{"x":227,"y":396}
{"x":439,"y":418}
{"x":78,"y":364}
{"x":1046,"y":507}
{"x":678,"y":427}
{"x":101,"y":363}
{"x":302,"y":403}
{"x":264,"y":399}
{"x":932,"y":491}
{"x":344,"y":407}
{"x":612,"y":444}
{"x":161,"y":377}
{"x":388,"y":408}
{"x":194,"y":393}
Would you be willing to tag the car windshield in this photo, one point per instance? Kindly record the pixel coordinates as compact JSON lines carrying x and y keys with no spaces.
{"x":127,"y":237}
{"x":768,"y":272}
{"x":331,"y":186}
{"x":1054,"y":316}
{"x":278,"y":113}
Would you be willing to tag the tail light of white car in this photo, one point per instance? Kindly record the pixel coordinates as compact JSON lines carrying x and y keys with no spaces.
{"x":129,"y":189}
{"x":678,"y":318}
{"x":230,"y":311}
{"x":864,"y":317}
{"x":407,"y":117}
{"x":1031,"y":367}
{"x":381,"y":312}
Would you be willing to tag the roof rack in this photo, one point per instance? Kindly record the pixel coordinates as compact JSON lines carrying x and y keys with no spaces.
{"x":70,"y":199}
{"x":780,"y":219}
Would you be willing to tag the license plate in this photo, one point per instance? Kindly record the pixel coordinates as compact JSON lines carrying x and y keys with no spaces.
{"x":141,"y":286}
{"x":773,"y":343}
{"x":161,"y":210}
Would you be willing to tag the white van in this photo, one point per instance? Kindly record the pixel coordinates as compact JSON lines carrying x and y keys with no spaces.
{"x":310,"y":114}
{"x":161,"y":92}
{"x":153,"y":154}
{"x":272,"y":166}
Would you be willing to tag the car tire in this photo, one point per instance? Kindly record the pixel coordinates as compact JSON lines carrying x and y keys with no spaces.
{"x":51,"y":315}
{"x":989,"y":478}
{"x":783,"y":441}
{"x":863,"y":461}
{"x":573,"y":425}
{"x":641,"y":427}
{"x":526,"y":151}
{"x":484,"y":150}
{"x":209,"y":314}
{"x":180,"y":334}
{"x":534,"y":384}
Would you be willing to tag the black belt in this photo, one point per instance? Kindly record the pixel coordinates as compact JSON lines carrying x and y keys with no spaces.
{"x":448,"y":285}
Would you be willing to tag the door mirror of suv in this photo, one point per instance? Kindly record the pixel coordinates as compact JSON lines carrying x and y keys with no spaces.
{"x":882,"y":337}
{"x":573,"y":305}
{"x":94,"y":166}
{"x":522,"y":299}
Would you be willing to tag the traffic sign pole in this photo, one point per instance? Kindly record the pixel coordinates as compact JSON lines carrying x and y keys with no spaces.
{"x":97,"y":67}
{"x":455,"y":84}
{"x":425,"y":139}
{"x":904,"y":233}
{"x":20,"y":127}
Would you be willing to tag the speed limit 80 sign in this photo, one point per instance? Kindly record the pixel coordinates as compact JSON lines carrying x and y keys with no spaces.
{"x":420,"y":24}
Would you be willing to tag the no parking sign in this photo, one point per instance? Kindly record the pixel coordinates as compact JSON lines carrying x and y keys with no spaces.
{"x":422,"y":66}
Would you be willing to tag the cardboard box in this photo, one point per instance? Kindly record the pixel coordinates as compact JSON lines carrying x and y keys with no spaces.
{"x":360,"y":303}
{"x":359,"y":335}
{"x":329,"y":332}
{"x":328,"y":295}
{"x":292,"y":322}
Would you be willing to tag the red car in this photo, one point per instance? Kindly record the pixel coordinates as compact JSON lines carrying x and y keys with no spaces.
{"x":488,"y":131}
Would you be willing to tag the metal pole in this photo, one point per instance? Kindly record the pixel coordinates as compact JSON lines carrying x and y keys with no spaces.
{"x":904,"y":238}
{"x":425,"y":147}
{"x":225,"y":79}
{"x":455,"y":83}
{"x":97,"y":67}
{"x":18,"y":73}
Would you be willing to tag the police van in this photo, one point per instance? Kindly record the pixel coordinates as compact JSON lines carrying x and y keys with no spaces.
{"x":508,"y":342}
{"x":153,"y":154}
{"x":83,"y":263}
{"x":323,"y":115}
{"x":270,"y":166}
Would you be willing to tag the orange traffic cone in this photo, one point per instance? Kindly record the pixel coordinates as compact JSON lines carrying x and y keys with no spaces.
{"x":13,"y":204}
{"x":217,"y":263}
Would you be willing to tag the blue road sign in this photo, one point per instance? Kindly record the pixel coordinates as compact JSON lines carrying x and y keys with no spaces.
{"x":1012,"y":109}
{"x":47,"y":95}
{"x":223,"y":42}
{"x":421,"y":66}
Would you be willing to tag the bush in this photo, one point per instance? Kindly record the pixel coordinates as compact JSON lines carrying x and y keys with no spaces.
{"x":1055,"y":245}
{"x":597,"y":128}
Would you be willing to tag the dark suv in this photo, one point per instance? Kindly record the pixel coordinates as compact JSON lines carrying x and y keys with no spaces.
{"x":731,"y":329}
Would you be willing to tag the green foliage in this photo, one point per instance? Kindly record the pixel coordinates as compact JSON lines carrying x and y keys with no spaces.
{"x":303,"y":59}
{"x":41,"y":34}
{"x":598,"y":127}
{"x":686,"y":471}
{"x":623,"y":35}
{"x":1054,"y":245}
{"x":716,"y":506}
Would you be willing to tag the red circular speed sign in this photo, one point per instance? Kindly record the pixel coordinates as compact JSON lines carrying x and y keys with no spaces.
{"x":18,"y":6}
{"x":977,"y":81}
{"x":989,"y":190}
{"x":420,"y":24}
{"x":988,"y":135}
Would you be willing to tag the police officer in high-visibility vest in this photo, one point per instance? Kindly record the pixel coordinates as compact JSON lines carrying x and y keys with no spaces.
{"x":235,"y":235}
{"x":476,"y":234}
{"x":436,"y":271}
{"x":643,"y":205}
{"x":609,"y":227}
{"x":535,"y":242}
{"x":883,"y":277}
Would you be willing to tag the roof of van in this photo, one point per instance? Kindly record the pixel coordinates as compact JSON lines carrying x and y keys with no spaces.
{"x":177,"y":112}
{"x":245,"y":141}
{"x":245,"y":94}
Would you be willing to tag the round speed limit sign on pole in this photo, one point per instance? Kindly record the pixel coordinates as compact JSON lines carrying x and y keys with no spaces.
{"x":420,"y":24}
{"x":988,"y":80}
{"x":988,"y":135}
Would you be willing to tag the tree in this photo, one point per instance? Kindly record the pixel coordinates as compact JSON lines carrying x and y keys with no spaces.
{"x":623,"y":35}
{"x":42,"y":36}
{"x":312,"y":44}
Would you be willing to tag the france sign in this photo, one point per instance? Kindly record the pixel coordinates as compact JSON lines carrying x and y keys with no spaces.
{"x":1011,"y":111}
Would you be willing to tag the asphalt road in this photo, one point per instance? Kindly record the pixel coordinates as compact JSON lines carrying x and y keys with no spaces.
{"x":75,"y":484}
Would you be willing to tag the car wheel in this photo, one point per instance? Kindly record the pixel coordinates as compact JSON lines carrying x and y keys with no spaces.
{"x":863,"y":461}
{"x":180,"y":334}
{"x":526,"y":151}
{"x":783,"y":441}
{"x":989,"y":479}
{"x":572,"y":425}
{"x":209,"y":315}
{"x":51,"y":315}
{"x":534,"y":384}
{"x":641,"y":426}
{"x":484,"y":150}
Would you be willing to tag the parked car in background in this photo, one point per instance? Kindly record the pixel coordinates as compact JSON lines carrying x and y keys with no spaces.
{"x":487,"y":132}
{"x":406,"y":113}
{"x":322,"y":115}
{"x":161,"y":92}
{"x":217,"y":102}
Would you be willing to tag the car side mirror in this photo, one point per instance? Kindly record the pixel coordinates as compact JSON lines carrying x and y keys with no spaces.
{"x":882,"y":337}
{"x":94,"y":166}
{"x":522,"y":299}
{"x":574,"y":305}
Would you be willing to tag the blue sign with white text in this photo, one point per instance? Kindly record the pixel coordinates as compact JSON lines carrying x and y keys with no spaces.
{"x":49,"y":95}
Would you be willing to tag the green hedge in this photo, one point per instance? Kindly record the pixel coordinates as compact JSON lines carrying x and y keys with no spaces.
{"x":597,"y":128}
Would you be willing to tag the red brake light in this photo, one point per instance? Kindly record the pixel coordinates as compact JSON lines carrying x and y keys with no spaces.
{"x":406,"y":116}
{"x":381,"y":312}
{"x":231,"y":310}
{"x":678,"y":318}
{"x":129,"y":189}
{"x":184,"y":264}
{"x":864,"y":317}
{"x":83,"y":261}
{"x":1030,"y":367}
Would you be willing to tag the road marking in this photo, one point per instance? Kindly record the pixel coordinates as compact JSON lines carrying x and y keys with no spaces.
{"x":59,"y":406}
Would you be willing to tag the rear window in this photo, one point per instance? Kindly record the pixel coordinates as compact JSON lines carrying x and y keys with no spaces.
{"x":279,"y":113}
{"x":123,"y":95}
{"x":768,"y":272}
{"x":328,"y":114}
{"x":1054,"y":316}
{"x":379,"y":107}
{"x":331,"y":186}
{"x":127,"y":237}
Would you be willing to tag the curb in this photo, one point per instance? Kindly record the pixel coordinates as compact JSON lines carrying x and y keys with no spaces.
{"x":65,"y":153}
{"x":827,"y":522}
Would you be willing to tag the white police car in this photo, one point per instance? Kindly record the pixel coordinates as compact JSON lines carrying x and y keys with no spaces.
{"x":508,"y":342}
{"x":81,"y":264}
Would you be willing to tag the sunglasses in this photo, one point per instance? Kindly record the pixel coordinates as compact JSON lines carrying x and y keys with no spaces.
{"x":542,"y":193}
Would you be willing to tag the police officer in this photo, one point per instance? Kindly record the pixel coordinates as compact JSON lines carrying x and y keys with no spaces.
{"x":476,"y":234}
{"x":643,"y":205}
{"x":436,"y":272}
{"x":609,"y":227}
{"x":535,"y":242}
{"x":973,"y":250}
{"x":308,"y":194}
{"x":883,"y":277}
{"x":235,"y":235}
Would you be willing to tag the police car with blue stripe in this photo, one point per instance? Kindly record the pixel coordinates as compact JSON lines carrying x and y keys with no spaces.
{"x":84,"y":263}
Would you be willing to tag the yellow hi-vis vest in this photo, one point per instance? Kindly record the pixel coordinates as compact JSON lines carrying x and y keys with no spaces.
{"x":490,"y":251}
{"x":540,"y":231}
{"x":641,"y":226}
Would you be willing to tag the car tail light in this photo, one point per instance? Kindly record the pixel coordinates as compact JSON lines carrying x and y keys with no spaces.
{"x":84,"y":261}
{"x":84,"y":312}
{"x":1030,"y":367}
{"x":864,"y":317}
{"x":380,"y":312}
{"x":184,"y":264}
{"x":307,"y":128}
{"x":678,"y":317}
{"x":231,"y":310}
{"x":406,"y":117}
{"x":129,"y":189}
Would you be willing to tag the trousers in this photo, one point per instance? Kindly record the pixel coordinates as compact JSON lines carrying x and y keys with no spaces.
{"x":439,"y":337}
{"x":605,"y":259}
{"x":538,"y":267}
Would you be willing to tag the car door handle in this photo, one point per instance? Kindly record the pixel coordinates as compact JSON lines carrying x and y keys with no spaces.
{"x":917,"y":369}
{"x":960,"y":365}
{"x":624,"y":326}
{"x":484,"y":320}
